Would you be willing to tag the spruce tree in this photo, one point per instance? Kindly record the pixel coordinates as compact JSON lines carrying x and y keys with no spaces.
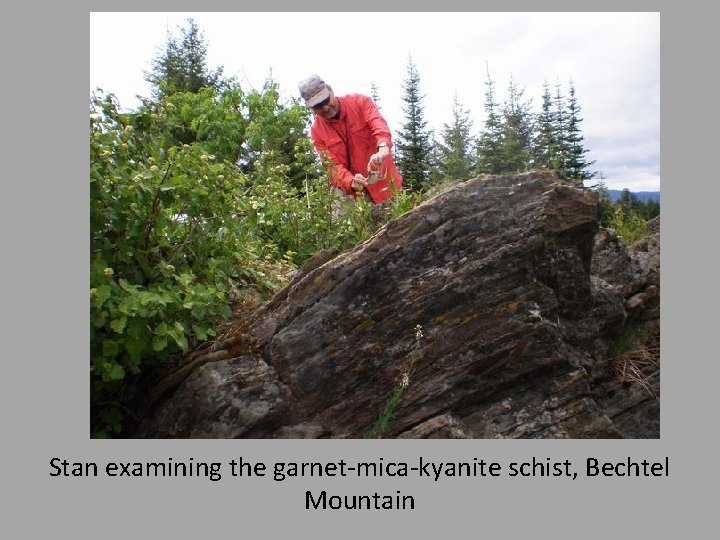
{"x":454,"y":152}
{"x":488,"y":159}
{"x":577,"y":167}
{"x":558,"y":157}
{"x":273,"y":133}
{"x":627,"y":198}
{"x":413,"y":145}
{"x":545,"y":143}
{"x":182,"y":67}
{"x":516,"y":131}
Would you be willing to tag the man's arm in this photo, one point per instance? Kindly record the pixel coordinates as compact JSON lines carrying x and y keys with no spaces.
{"x":380,"y":130}
{"x":377,"y":123}
{"x":340,"y":177}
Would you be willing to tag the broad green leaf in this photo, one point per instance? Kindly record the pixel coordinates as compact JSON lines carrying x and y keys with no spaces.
{"x":201,"y":332}
{"x":114,"y":372}
{"x":161,"y":329}
{"x":118,"y":325}
{"x":159,"y":343}
{"x":102,"y":293}
{"x":181,"y":341}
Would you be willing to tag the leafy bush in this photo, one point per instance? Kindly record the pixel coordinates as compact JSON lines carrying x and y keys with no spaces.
{"x":628,"y":216}
{"x":196,"y":200}
{"x":626,"y":222}
{"x":167,"y":246}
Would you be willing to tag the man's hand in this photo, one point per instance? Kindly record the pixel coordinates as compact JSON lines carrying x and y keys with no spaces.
{"x":359,"y":182}
{"x":377,"y":158}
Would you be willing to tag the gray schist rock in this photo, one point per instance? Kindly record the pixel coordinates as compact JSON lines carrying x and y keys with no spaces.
{"x":515,"y":330}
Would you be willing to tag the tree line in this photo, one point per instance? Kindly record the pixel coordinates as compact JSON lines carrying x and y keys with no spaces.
{"x":512,"y":139}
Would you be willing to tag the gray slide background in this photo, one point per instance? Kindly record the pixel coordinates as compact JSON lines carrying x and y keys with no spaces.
{"x":44,"y":213}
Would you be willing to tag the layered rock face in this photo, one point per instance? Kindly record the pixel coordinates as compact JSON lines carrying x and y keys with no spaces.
{"x":483,"y":296}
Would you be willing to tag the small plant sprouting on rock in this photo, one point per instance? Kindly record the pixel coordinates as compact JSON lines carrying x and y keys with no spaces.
{"x":382,"y":426}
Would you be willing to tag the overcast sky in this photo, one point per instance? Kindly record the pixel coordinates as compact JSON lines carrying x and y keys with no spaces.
{"x":612,"y":58}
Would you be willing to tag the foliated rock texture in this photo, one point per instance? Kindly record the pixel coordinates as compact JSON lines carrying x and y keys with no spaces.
{"x":519,"y":296}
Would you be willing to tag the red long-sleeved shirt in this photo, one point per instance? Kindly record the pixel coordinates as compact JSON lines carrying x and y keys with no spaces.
{"x":350,"y":140}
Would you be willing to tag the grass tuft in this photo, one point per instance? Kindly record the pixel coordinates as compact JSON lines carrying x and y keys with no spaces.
{"x":635,"y":358}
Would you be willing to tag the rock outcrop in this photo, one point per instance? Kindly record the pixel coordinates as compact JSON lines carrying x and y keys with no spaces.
{"x":487,"y":297}
{"x":630,"y":391}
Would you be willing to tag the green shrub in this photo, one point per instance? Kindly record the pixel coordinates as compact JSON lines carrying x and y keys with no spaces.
{"x":627,"y":223}
{"x":167,"y":247}
{"x":195,"y":200}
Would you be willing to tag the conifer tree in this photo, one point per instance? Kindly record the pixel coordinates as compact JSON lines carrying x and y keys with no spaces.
{"x":488,"y":159}
{"x":182,"y":67}
{"x":601,"y":187}
{"x":627,"y":198}
{"x":559,"y":156}
{"x":413,"y":145}
{"x":274,"y":132}
{"x":454,"y":151}
{"x":545,"y":143}
{"x":576,"y":166}
{"x":517,"y":131}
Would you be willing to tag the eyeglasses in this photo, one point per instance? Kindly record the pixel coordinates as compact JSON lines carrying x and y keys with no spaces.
{"x":321,"y":104}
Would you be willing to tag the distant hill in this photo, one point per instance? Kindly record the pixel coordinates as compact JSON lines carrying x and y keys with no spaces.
{"x":642,"y":196}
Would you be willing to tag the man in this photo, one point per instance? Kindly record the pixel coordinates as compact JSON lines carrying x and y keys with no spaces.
{"x":351,"y":135}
